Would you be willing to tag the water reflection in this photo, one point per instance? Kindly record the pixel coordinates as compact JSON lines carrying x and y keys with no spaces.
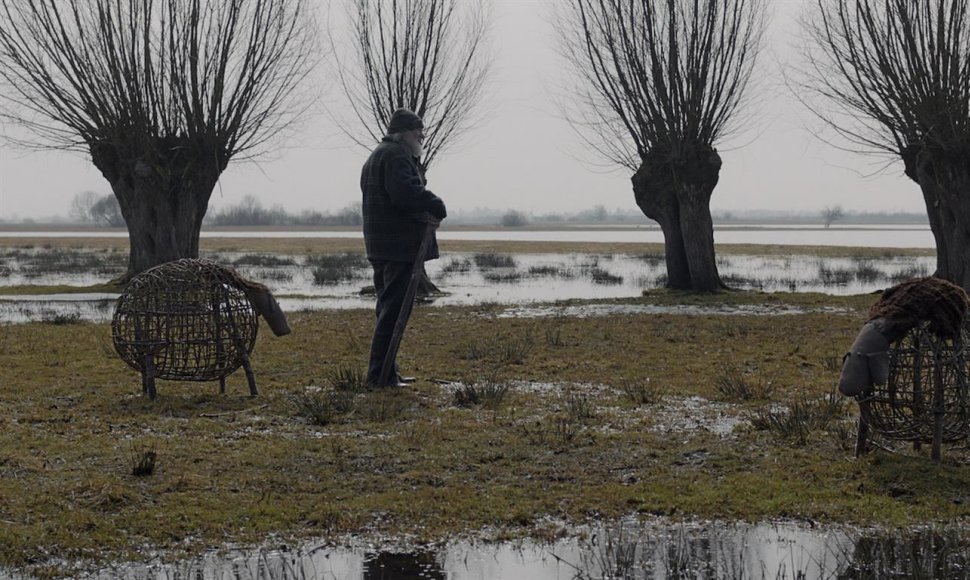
{"x":626,"y":550}
{"x":396,"y":566}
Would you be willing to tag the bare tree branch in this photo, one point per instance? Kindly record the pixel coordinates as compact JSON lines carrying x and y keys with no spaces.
{"x":654,"y":75}
{"x":79,"y":72}
{"x":429,"y":56}
{"x":887,"y":75}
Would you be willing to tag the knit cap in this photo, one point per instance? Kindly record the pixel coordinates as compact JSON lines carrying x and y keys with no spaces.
{"x":404,"y":120}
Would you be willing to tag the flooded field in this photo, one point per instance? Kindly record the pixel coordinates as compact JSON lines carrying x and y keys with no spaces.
{"x":334,"y":281}
{"x":626,"y":550}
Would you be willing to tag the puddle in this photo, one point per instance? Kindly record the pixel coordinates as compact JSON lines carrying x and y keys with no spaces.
{"x":695,"y":414}
{"x":524,"y":281}
{"x":627,"y":549}
{"x":593,"y":310}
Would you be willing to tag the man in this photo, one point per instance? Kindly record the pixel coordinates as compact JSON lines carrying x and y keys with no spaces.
{"x":397,"y":208}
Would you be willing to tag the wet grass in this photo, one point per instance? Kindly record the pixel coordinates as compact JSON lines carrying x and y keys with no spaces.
{"x":456,"y":266}
{"x":315,"y":455}
{"x":642,"y":391}
{"x":264,"y":260}
{"x":737,"y":385}
{"x":488,"y":261}
{"x":798,"y":419}
{"x":37,"y":262}
{"x":486,"y":392}
{"x":332,"y":269}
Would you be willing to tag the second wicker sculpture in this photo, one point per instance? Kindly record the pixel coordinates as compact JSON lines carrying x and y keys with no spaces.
{"x":927,"y":396}
{"x":909,"y":366}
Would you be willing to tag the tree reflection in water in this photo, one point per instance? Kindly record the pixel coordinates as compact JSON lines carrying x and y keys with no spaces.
{"x":398,"y":566}
{"x":628,"y":550}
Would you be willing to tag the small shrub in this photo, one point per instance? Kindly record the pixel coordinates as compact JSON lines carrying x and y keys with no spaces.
{"x":914,"y":271}
{"x":601,"y":276}
{"x":276,"y":275}
{"x":59,"y":318}
{"x":867,"y":273}
{"x":381,"y":407}
{"x":487,"y":261}
{"x":457,"y":266}
{"x":735,"y":385}
{"x":348,"y":379}
{"x":803,"y":416}
{"x":565,"y":429}
{"x":543,"y":271}
{"x":143,"y":462}
{"x":652,"y":259}
{"x":486,"y":393}
{"x":642,"y":391}
{"x":502,"y":277}
{"x":554,"y":337}
{"x":332,"y":269}
{"x":844,"y":434}
{"x":476,"y":350}
{"x":578,"y":405}
{"x":834,"y":276}
{"x":323,"y":407}
{"x":263,"y":260}
{"x":516,"y":350}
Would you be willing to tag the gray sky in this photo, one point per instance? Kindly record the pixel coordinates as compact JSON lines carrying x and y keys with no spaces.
{"x":523,"y":156}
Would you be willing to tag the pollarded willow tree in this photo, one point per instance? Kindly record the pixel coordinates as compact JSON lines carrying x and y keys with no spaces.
{"x":893,"y":77}
{"x":659,"y":84}
{"x":429,"y":56}
{"x":160,"y":93}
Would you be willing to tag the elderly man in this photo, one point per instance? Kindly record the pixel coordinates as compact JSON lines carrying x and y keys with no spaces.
{"x":397,"y":208}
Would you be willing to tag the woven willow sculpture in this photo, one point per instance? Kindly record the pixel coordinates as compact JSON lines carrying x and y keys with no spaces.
{"x":188,"y":320}
{"x":927,"y":396}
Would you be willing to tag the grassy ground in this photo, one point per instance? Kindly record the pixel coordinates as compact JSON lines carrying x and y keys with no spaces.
{"x":574,"y":418}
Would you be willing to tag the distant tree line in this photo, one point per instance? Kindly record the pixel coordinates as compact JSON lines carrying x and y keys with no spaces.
{"x":250,"y":212}
{"x":90,"y":207}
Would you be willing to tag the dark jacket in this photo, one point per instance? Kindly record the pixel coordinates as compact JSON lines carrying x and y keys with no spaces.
{"x":393,"y":189}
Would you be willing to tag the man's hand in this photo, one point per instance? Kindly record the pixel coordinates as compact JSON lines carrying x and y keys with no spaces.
{"x":427,"y":217}
{"x":432,"y":220}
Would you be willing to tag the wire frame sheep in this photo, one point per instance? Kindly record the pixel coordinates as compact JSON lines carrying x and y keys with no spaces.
{"x":188,"y":320}
{"x":926,"y":397}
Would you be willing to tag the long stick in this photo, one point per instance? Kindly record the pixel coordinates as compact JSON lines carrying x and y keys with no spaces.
{"x":402,"y":318}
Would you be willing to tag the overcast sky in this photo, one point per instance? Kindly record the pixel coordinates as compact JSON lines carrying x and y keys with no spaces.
{"x":523,"y":155}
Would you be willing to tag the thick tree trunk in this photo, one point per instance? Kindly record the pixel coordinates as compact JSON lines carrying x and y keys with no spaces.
{"x":675,"y":191}
{"x":944,"y":179}
{"x":163,"y":191}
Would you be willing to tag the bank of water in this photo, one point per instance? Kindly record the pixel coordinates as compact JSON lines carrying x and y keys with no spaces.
{"x":336,"y":281}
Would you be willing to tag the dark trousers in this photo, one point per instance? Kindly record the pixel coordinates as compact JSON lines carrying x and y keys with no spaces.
{"x":391,"y":282}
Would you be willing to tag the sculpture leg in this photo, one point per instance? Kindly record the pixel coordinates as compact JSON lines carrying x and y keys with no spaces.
{"x":938,"y":413}
{"x":861,"y":441}
{"x":250,"y":376}
{"x":148,"y":377}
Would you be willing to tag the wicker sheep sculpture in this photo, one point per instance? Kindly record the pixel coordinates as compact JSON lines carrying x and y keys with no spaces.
{"x":908,"y":367}
{"x":192,"y":320}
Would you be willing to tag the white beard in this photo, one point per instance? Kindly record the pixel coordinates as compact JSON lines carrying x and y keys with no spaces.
{"x":412,"y":145}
